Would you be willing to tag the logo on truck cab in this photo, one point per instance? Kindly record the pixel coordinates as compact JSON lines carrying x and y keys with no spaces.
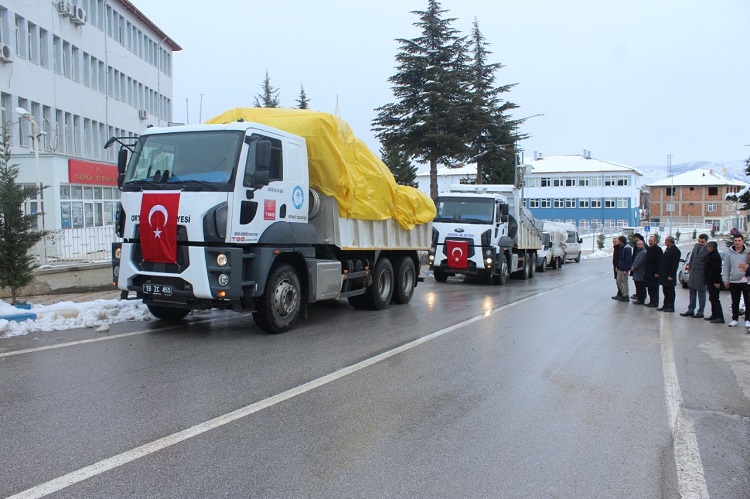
{"x":269,"y":209}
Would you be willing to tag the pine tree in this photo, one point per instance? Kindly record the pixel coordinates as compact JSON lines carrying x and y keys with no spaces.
{"x":302,"y":101}
{"x":269,"y":96}
{"x":743,"y":200}
{"x":400,"y":165}
{"x":493,"y":134}
{"x":429,"y":120}
{"x":17,"y":234}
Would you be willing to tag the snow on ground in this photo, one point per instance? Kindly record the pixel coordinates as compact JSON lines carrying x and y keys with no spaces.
{"x":97,"y":314}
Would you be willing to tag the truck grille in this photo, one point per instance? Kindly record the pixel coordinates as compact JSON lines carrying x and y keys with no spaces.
{"x":183,"y":259}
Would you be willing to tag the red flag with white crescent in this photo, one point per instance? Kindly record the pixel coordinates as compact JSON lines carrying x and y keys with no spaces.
{"x":158,"y":226}
{"x":458,"y":254}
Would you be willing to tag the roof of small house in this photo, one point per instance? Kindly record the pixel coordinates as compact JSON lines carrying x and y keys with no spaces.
{"x":698,"y":177}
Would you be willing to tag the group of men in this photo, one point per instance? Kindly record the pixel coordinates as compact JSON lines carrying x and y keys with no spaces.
{"x":652,"y":268}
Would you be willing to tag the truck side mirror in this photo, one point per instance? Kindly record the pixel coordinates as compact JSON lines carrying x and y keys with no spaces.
{"x":263,"y":156}
{"x":122,"y":164}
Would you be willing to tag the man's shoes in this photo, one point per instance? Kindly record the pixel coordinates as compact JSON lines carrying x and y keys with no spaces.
{"x":652,"y":305}
{"x":634,"y":297}
{"x":661,"y":309}
{"x":698,"y":316}
{"x":638,"y":303}
{"x":669,"y":309}
{"x":625,"y":299}
{"x":710,"y":318}
{"x":718,"y":320}
{"x":687,"y":314}
{"x":616,"y":297}
{"x":733,"y":323}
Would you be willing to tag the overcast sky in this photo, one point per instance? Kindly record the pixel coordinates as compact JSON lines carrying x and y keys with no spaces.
{"x":630,"y":81}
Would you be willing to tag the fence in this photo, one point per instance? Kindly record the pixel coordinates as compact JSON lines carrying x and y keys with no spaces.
{"x":89,"y":244}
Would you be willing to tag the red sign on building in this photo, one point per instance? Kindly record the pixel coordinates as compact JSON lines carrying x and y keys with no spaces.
{"x":85,"y":172}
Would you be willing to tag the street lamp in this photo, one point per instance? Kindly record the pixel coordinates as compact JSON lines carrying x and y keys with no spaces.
{"x":519,"y":167}
{"x":25,"y":115}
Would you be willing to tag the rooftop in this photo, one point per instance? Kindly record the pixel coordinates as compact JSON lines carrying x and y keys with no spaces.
{"x":576,"y":163}
{"x":700,"y":176}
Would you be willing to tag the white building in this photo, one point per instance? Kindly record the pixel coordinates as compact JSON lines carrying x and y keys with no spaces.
{"x":583,"y":190}
{"x":84,"y":70}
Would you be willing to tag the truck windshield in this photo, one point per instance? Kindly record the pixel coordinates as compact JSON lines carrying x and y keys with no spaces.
{"x":187,"y":158}
{"x":472,"y":211}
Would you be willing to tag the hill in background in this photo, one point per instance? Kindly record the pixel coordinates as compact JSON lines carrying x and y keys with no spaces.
{"x":732,"y":169}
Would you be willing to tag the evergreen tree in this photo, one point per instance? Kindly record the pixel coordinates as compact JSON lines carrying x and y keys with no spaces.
{"x":269,"y":96}
{"x":429,"y":120}
{"x":743,"y":200}
{"x":493,"y":134}
{"x":302,"y":101}
{"x":17,"y":234}
{"x":400,"y":165}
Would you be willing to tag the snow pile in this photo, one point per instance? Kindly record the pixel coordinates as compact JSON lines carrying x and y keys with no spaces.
{"x":97,"y":314}
{"x":597,"y":254}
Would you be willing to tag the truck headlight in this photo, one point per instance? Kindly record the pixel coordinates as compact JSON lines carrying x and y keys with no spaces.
{"x":488,"y":261}
{"x":431,"y":257}
{"x":221,"y":260}
{"x":223,"y":279}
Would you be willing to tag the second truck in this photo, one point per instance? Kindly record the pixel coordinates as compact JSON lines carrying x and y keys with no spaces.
{"x":484,"y":230}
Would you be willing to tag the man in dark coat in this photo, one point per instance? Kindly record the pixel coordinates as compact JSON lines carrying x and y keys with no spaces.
{"x":651,"y":277}
{"x":670,"y":261}
{"x":714,"y":280}
{"x":616,"y":254}
{"x":639,"y":272}
{"x":697,"y":278}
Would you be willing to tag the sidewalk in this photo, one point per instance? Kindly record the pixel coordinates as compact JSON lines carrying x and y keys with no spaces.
{"x":82,"y":297}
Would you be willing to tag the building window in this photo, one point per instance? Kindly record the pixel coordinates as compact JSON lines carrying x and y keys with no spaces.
{"x":569,"y":181}
{"x":622,"y":202}
{"x":622,"y":223}
{"x":545,"y":182}
{"x":609,"y":202}
{"x":57,"y":54}
{"x":713,"y":191}
{"x":545,"y":203}
{"x":570,"y":203}
{"x":670,"y":191}
{"x":559,"y":203}
{"x":609,"y":224}
{"x":669,"y":207}
{"x":43,"y":50}
{"x":557,"y":182}
{"x":532,"y":182}
{"x":596,"y":181}
{"x":534,"y":203}
{"x":584,"y":181}
{"x":584,"y":203}
{"x":66,"y":59}
{"x":87,"y":206}
{"x":712,"y":207}
{"x":596,"y":203}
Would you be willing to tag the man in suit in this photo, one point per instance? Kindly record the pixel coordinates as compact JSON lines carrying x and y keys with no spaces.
{"x":697,"y":278}
{"x":670,"y":261}
{"x":651,"y":277}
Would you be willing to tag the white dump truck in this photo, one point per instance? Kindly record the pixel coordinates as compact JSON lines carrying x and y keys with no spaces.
{"x":484,"y":230}
{"x":264,"y":210}
{"x":570,"y":240}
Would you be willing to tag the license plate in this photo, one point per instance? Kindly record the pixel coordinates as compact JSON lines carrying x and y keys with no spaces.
{"x":158,"y":289}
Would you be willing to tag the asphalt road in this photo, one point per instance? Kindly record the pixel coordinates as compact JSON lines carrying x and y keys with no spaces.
{"x":538,"y":388}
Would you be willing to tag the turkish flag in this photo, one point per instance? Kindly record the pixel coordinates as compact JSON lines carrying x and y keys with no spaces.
{"x":158,"y":226}
{"x":458,"y":254}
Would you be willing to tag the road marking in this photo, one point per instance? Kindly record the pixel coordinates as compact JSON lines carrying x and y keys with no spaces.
{"x":690,"y":477}
{"x":126,"y":457}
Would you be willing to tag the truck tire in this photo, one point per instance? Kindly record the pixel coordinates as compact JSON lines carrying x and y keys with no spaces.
{"x":358,"y":302}
{"x":555,"y":263}
{"x":502,"y":276}
{"x":168,"y":313}
{"x":532,"y":265}
{"x":406,"y":279}
{"x":439,"y":275}
{"x":578,"y":258}
{"x":278,"y":310}
{"x":378,"y":296}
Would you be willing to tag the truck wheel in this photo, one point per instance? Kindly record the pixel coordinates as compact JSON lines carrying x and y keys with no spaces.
{"x":406,"y":279}
{"x":502,"y":276}
{"x":555,"y":263}
{"x":439,"y":275}
{"x":542,"y":266}
{"x":168,"y":313}
{"x":532,"y":265}
{"x":279,"y":308}
{"x":578,"y":258}
{"x":379,"y":295}
{"x":358,"y":302}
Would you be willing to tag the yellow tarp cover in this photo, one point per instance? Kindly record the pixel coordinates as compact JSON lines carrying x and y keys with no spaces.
{"x":342,"y":166}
